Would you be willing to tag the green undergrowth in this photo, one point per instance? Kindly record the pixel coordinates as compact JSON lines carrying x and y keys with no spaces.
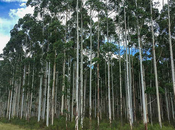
{"x":60,"y":124}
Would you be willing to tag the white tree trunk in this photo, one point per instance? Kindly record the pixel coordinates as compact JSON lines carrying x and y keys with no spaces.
{"x":68,"y":89}
{"x":8,"y":104}
{"x":45,"y":90}
{"x":18,"y":98}
{"x":171,"y":49}
{"x":142,"y":83}
{"x":127,"y":77}
{"x":172,"y":107}
{"x":31,"y":94}
{"x":48,"y":96}
{"x":63,"y":86}
{"x":98,"y":75}
{"x":40,"y":94}
{"x":77,"y":74}
{"x":121,"y":108}
{"x":56,"y":93}
{"x":53,"y":88}
{"x":167,"y":105}
{"x":73,"y":92}
{"x":141,"y":72}
{"x":26,"y":106}
{"x":22,"y":101}
{"x":81,"y":72}
{"x":113,"y":111}
{"x":130,"y":87}
{"x":90,"y":83}
{"x":134,"y":93}
{"x":155,"y":68}
{"x":14,"y":100}
{"x":84,"y":106}
{"x":109,"y":91}
{"x":10,"y":107}
{"x":101,"y":104}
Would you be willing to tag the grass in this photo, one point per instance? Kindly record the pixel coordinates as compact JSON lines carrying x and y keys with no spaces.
{"x":60,"y":124}
{"x":4,"y":126}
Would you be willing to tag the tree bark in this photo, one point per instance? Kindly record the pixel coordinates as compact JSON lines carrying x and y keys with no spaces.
{"x":98,"y":75}
{"x":109,"y":91}
{"x":167,"y":105}
{"x":127,"y":77}
{"x":31,"y":94}
{"x":155,"y":69}
{"x":73,"y":91}
{"x":171,"y":50}
{"x":53,"y":88}
{"x":77,"y":73}
{"x":22,"y":100}
{"x":81,"y":73}
{"x":40,"y":96}
{"x":45,"y":90}
{"x":113,"y":111}
{"x":48,"y":96}
{"x":90,"y":84}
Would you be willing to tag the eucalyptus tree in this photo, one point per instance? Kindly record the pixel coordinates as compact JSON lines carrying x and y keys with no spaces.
{"x":9,"y":61}
{"x":13,"y":53}
{"x":94,"y":6}
{"x":34,"y":29}
{"x":64,"y":7}
{"x":108,"y":30}
{"x":77,"y":73}
{"x":90,"y":84}
{"x":24,"y":47}
{"x":5,"y":85}
{"x":45,"y":44}
{"x":6,"y":76}
{"x":127,"y":74}
{"x":19,"y":38}
{"x":85,"y":18}
{"x":118,"y":22}
{"x":165,"y":39}
{"x":170,"y":42}
{"x":108,"y":49}
{"x":56,"y":40}
{"x":46,"y":26}
{"x":40,"y":8}
{"x":136,"y":12}
{"x":36,"y":50}
{"x":155,"y":66}
{"x":81,"y":67}
{"x":99,"y":9}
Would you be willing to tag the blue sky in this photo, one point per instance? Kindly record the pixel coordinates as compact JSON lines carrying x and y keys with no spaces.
{"x":10,"y":12}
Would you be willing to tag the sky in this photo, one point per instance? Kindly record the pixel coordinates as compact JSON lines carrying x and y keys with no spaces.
{"x":10,"y":12}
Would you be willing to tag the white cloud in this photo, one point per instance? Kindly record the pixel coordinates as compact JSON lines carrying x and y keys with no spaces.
{"x":7,"y":24}
{"x":3,"y":41}
{"x":14,"y":0}
{"x":20,"y":12}
{"x":22,"y":4}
